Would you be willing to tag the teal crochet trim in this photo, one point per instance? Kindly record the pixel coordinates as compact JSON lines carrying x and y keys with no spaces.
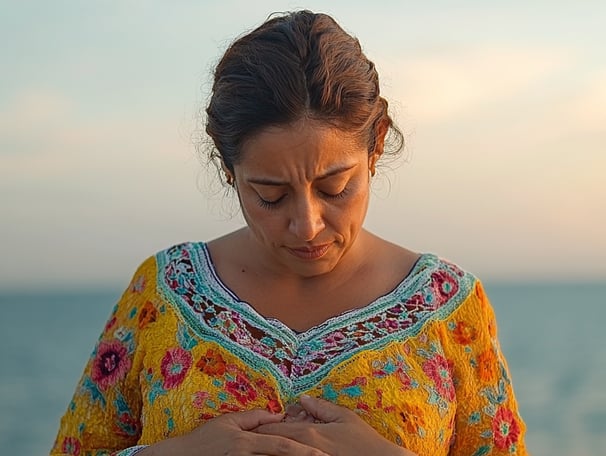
{"x":130,"y":451}
{"x":187,"y":280}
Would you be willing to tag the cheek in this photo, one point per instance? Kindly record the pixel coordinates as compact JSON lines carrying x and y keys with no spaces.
{"x":261,"y":220}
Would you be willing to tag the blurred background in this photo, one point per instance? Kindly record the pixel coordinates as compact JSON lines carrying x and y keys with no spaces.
{"x":503,"y":105}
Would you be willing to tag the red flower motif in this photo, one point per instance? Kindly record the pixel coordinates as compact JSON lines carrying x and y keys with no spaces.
{"x":126,"y":425}
{"x":505,"y":428}
{"x":464,"y":334}
{"x":174,"y":367}
{"x":274,"y":406}
{"x":404,"y":379}
{"x":147,"y":315}
{"x":212,"y":363}
{"x":241,"y":389}
{"x":111,"y":364}
{"x":444,"y":284}
{"x":71,"y":445}
{"x":438,"y":370}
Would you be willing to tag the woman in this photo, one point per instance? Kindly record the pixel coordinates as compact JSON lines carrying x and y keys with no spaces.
{"x":302,"y":333}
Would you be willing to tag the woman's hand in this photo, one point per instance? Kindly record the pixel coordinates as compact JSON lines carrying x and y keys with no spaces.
{"x":230,"y":434}
{"x":333,"y":429}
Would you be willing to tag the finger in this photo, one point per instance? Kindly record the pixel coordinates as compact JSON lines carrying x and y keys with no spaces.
{"x":322,"y":410}
{"x":293,"y":409}
{"x":253,"y":418}
{"x":289,"y":429}
{"x":301,"y":417}
{"x":275,"y":445}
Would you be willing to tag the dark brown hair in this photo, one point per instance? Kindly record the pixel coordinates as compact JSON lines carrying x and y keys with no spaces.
{"x":295,"y":65}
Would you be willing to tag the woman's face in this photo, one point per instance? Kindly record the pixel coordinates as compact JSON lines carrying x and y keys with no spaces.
{"x":304,"y":192}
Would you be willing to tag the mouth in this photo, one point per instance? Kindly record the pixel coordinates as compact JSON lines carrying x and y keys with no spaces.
{"x":310,"y":252}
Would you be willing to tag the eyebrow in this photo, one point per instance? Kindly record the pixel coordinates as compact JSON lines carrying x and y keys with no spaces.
{"x":270,"y":181}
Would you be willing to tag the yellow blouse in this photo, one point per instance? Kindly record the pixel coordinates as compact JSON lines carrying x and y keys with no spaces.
{"x":421,"y":365}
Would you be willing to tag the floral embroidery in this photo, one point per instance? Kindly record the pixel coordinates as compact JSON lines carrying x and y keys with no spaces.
{"x":395,"y":367}
{"x":147,"y":315}
{"x":210,"y":354}
{"x":186,"y":276}
{"x":241,"y":389}
{"x":156,"y":388}
{"x":175,"y":364}
{"x":199,"y":399}
{"x":487,"y":366}
{"x":505,"y":428}
{"x":438,"y":370}
{"x":111,"y":364}
{"x":212,"y":363}
{"x":71,"y":445}
{"x":464,"y":334}
{"x":444,"y":284}
{"x":273,"y":402}
{"x":412,"y":417}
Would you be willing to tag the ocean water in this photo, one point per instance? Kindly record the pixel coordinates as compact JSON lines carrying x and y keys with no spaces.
{"x":554,"y":338}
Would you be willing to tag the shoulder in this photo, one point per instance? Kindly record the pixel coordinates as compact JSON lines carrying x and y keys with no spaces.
{"x":435,"y":264}
{"x":161,"y":263}
{"x":184,"y":251}
{"x":436,"y":285}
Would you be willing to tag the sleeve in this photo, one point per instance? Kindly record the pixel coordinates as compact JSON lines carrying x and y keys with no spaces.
{"x":487,"y":421}
{"x":103,"y":416}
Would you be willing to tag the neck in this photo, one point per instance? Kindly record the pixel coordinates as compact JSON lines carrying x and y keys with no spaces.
{"x":352,"y":261}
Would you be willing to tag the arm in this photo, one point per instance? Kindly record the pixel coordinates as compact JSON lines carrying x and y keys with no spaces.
{"x":103,"y":416}
{"x":487,"y":420}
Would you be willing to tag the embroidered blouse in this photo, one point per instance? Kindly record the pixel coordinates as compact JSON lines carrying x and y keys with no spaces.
{"x":421,"y":364}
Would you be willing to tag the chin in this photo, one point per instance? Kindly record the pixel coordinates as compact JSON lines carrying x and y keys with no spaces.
{"x":309,"y":267}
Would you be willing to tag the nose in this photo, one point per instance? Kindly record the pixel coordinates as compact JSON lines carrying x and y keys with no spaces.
{"x":307,"y":219}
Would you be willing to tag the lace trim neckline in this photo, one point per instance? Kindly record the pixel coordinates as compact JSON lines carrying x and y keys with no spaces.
{"x":207,"y":268}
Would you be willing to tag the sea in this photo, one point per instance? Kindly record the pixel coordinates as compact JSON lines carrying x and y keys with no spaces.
{"x":553,"y":336}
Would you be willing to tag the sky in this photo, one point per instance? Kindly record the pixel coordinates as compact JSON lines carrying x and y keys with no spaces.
{"x":503,"y":105}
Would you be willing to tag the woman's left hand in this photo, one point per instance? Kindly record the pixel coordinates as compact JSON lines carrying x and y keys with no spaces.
{"x":336,"y":431}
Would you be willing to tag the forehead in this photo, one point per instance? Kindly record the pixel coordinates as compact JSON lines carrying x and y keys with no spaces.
{"x":305,"y":147}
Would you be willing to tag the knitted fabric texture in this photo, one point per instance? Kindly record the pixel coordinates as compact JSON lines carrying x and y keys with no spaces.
{"x":421,"y":364}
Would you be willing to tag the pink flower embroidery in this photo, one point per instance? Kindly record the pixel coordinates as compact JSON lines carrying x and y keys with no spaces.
{"x":438,"y":370}
{"x":444,"y":284}
{"x":111,"y":364}
{"x":241,"y":389}
{"x":174,"y":367}
{"x":505,"y":428}
{"x":199,"y":399}
{"x":71,"y":445}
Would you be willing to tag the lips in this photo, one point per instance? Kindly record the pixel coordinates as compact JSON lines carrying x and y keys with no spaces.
{"x":311,"y":252}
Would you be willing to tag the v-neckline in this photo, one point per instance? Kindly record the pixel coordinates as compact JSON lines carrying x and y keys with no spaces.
{"x":271,"y":324}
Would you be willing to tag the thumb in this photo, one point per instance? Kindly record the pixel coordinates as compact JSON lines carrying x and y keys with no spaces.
{"x":322,"y":410}
{"x":251,"y":419}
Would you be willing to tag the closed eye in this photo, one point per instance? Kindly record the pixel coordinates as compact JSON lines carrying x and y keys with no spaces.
{"x":339,"y":195}
{"x":267,"y":204}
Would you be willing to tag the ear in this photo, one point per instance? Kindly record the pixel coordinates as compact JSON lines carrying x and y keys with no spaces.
{"x":229,"y":177}
{"x":380,"y":134}
{"x":372,"y":161}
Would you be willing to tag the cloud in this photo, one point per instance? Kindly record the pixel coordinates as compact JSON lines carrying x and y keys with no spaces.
{"x":444,"y":86}
{"x":32,"y":119}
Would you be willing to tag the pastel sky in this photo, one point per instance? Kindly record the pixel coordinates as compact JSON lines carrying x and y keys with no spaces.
{"x":503,"y":105}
